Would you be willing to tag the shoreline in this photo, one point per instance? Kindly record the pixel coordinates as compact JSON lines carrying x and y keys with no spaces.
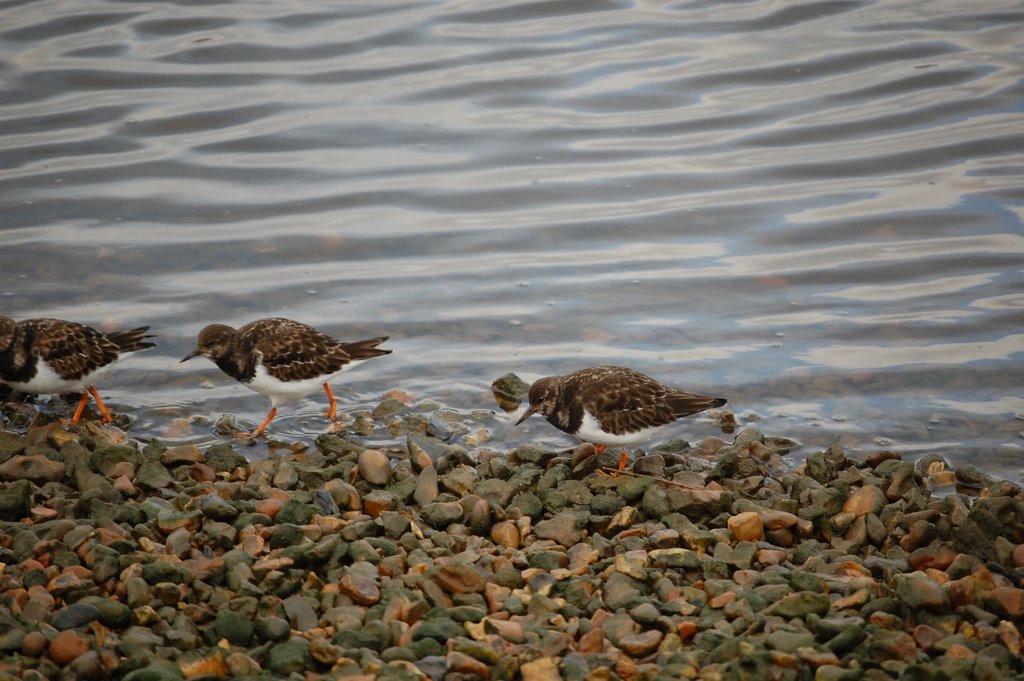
{"x":133,"y":560}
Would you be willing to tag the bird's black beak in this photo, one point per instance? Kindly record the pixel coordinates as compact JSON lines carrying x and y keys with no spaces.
{"x":529,"y":412}
{"x":194,"y":353}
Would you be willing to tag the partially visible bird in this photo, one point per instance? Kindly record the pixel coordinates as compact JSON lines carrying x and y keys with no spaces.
{"x":282,"y":359}
{"x":46,"y":356}
{"x":611,"y":405}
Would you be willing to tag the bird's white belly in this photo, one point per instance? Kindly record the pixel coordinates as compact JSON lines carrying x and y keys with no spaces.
{"x":590,"y":431}
{"x":48,"y":382}
{"x":279,"y":391}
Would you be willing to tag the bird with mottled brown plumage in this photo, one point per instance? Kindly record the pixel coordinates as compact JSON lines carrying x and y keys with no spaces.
{"x":47,"y":356}
{"x":611,"y":405}
{"x":282,"y":359}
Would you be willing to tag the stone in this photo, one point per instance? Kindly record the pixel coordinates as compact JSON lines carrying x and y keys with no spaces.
{"x":459,"y":578}
{"x":632,"y":564}
{"x":181,"y":455}
{"x":541,"y":669}
{"x":362,"y":590}
{"x":75,"y":615}
{"x":800,"y":604}
{"x":505,"y":533}
{"x":214,"y":506}
{"x":234,"y":626}
{"x":301,"y":612}
{"x":565,"y":528}
{"x":153,"y":476}
{"x":67,"y":646}
{"x":290,"y":657}
{"x":34,"y":644}
{"x":426,"y":486}
{"x":639,"y":645}
{"x":867,"y":499}
{"x":378,"y":501}
{"x":16,"y":500}
{"x":746,"y":526}
{"x":919,"y":591}
{"x":1006,"y":601}
{"x":272,"y":629}
{"x":35,"y":468}
{"x":884,"y":644}
{"x":462,"y":663}
{"x":441,"y":514}
{"x":374,"y":467}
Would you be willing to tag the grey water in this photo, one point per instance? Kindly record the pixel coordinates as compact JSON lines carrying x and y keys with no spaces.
{"x":811,"y":208}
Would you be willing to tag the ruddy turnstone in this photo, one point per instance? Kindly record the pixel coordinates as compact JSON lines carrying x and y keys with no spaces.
{"x":281,"y":359}
{"x":611,"y":405}
{"x":40,"y":356}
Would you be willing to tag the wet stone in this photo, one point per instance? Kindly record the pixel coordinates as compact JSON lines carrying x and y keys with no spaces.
{"x":75,"y":615}
{"x":36,"y":468}
{"x":271,"y":628}
{"x":374,"y":467}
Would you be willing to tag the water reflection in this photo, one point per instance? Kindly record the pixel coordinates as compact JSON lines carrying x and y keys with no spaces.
{"x":812,"y":209}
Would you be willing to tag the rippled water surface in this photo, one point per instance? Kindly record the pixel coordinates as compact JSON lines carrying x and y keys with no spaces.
{"x":811,"y":208}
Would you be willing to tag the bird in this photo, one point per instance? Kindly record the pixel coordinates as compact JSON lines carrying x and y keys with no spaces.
{"x":46,"y":356}
{"x":611,"y":405}
{"x":282,"y":359}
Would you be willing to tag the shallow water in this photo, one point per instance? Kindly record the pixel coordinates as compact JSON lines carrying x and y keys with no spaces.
{"x":813,"y":209}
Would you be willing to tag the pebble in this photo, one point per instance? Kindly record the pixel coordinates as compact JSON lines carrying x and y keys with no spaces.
{"x":747,"y":526}
{"x":429,"y":560}
{"x":374,"y":467}
{"x":67,"y":646}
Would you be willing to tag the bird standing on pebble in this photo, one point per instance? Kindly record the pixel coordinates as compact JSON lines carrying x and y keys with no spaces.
{"x":47,"y":356}
{"x":611,"y":405}
{"x":282,"y":359}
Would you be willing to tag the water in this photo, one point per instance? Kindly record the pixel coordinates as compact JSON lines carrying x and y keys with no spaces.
{"x":813,"y":209}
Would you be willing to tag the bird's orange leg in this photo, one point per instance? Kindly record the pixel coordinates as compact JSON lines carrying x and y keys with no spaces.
{"x":334,"y":402}
{"x":263,"y":426}
{"x":107,"y":415}
{"x":81,"y":407}
{"x":599,"y":449}
{"x":623,"y":459}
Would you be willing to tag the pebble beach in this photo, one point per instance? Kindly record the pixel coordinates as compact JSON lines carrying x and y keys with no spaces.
{"x":447,"y":557}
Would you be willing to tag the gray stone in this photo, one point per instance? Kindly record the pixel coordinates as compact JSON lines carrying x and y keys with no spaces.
{"x":301,"y":612}
{"x":565,"y":528}
{"x":272,"y":629}
{"x":290,"y":657}
{"x":75,"y":615}
{"x":426,"y":486}
{"x":440,"y":514}
{"x":374,"y":467}
{"x":15,"y":500}
{"x":234,"y":626}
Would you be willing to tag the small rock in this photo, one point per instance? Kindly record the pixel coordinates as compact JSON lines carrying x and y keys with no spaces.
{"x":426,"y":486}
{"x":639,"y":645}
{"x":746,"y":526}
{"x":441,"y":514}
{"x":75,"y":615}
{"x":800,"y":604}
{"x":36,"y":468}
{"x":16,"y":500}
{"x":565,"y":528}
{"x":181,"y":455}
{"x":505,"y":533}
{"x":464,"y":664}
{"x":34,"y":644}
{"x":362,"y":590}
{"x":67,"y":646}
{"x":374,"y":467}
{"x":541,"y":669}
{"x":867,"y":499}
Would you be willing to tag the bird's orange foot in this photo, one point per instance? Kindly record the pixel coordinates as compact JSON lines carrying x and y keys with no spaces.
{"x":623,"y":460}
